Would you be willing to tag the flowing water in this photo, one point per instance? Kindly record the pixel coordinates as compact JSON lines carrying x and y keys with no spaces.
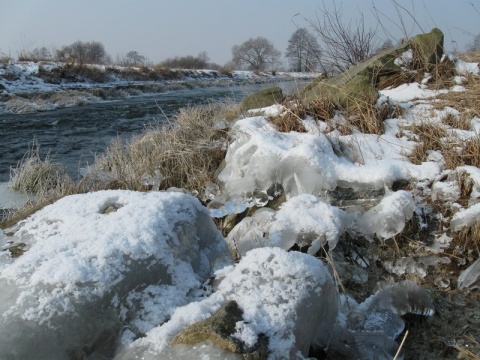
{"x":72,"y":136}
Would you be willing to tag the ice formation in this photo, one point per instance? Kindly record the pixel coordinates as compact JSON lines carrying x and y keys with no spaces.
{"x":388,"y":218}
{"x":265,"y":284}
{"x":304,"y":220}
{"x":104,"y":265}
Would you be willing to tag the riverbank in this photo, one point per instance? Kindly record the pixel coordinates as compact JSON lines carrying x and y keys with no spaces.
{"x":392,"y":211}
{"x":27,"y":87}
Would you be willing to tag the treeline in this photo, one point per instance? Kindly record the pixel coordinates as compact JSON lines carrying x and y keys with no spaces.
{"x":330,"y":44}
{"x":93,"y":52}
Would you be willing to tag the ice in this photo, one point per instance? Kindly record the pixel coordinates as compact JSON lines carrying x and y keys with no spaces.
{"x":305,"y":220}
{"x":265,"y":284}
{"x":152,"y":181}
{"x":92,"y":279}
{"x":388,"y":218}
{"x":470,"y":277}
{"x":211,"y":191}
{"x":465,"y":217}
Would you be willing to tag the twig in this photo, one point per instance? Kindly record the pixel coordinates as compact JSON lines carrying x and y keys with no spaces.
{"x":401,"y":345}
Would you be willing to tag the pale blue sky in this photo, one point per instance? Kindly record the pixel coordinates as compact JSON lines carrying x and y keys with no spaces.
{"x":160,"y":29}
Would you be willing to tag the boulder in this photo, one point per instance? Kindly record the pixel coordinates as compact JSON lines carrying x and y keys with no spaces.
{"x":357,"y":86}
{"x":288,"y":300}
{"x":263,"y":98}
{"x":220,"y":329}
{"x":92,"y":272}
{"x":427,"y":48}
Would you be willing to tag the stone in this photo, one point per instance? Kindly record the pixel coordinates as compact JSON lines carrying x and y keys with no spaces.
{"x":262,"y":98}
{"x":357,"y":86}
{"x":219,"y":330}
{"x":427,"y":48}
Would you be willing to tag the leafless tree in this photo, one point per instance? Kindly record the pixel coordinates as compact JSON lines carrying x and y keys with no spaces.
{"x":256,"y":54}
{"x":303,"y":51}
{"x":135,"y":58}
{"x":92,"y":52}
{"x":41,"y":53}
{"x":343,"y":44}
{"x":475,"y":44}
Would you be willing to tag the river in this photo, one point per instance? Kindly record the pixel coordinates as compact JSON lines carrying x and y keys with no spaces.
{"x":72,"y":136}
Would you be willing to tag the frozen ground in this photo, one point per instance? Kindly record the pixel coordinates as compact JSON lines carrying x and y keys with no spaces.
{"x":90,"y":252}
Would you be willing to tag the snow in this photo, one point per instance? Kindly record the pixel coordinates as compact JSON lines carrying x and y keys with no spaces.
{"x":265,"y":286}
{"x":412,"y":91}
{"x":130,"y":268}
{"x":140,"y":270}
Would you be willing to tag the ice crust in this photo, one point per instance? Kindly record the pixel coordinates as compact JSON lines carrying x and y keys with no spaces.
{"x":266,"y":286}
{"x":89,"y":274}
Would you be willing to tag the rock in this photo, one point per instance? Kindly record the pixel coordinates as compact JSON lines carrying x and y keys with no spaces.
{"x":100,"y":269}
{"x":427,"y":48}
{"x":288,"y":298}
{"x":219,"y":330}
{"x":262,"y":99}
{"x":357,"y":86}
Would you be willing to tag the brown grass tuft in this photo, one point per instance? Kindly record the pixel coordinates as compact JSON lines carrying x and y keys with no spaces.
{"x":186,"y":154}
{"x":35,"y":176}
{"x":288,"y":121}
{"x":430,"y":136}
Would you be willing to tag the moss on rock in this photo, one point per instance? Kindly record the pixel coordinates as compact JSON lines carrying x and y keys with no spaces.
{"x":263,"y":98}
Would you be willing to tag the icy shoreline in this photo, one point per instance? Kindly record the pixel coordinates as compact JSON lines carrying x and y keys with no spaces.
{"x":27,"y":87}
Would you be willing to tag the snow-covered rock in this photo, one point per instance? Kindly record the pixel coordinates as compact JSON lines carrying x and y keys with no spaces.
{"x":288,"y":296}
{"x":102,"y":269}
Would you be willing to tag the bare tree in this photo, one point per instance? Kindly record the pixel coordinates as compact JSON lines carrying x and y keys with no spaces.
{"x":41,"y":53}
{"x":256,"y":54}
{"x":92,"y":52}
{"x":342,"y":44}
{"x":135,"y":58}
{"x":475,"y":44}
{"x":303,"y":51}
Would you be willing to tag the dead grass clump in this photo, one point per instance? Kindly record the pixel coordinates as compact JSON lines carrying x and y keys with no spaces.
{"x":291,"y":120}
{"x":468,"y":241}
{"x":39,"y":177}
{"x":394,"y":80}
{"x":321,"y":108}
{"x":368,"y":119}
{"x":470,"y":56}
{"x":470,"y":154}
{"x":462,"y":122}
{"x":467,"y":101}
{"x":430,"y":136}
{"x":185,"y":154}
{"x":466,"y":184}
{"x":443,"y":73}
{"x":459,"y":152}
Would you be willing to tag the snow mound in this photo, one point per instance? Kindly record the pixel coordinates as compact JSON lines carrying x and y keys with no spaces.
{"x":104,"y":265}
{"x":265,"y":284}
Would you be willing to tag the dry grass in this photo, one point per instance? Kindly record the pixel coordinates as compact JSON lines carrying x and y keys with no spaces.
{"x":186,"y":154}
{"x":462,"y":122}
{"x":467,"y":101}
{"x":35,"y":176}
{"x":468,"y":239}
{"x":430,"y":138}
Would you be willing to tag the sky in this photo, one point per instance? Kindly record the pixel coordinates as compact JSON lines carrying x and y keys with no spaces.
{"x":160,"y":29}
